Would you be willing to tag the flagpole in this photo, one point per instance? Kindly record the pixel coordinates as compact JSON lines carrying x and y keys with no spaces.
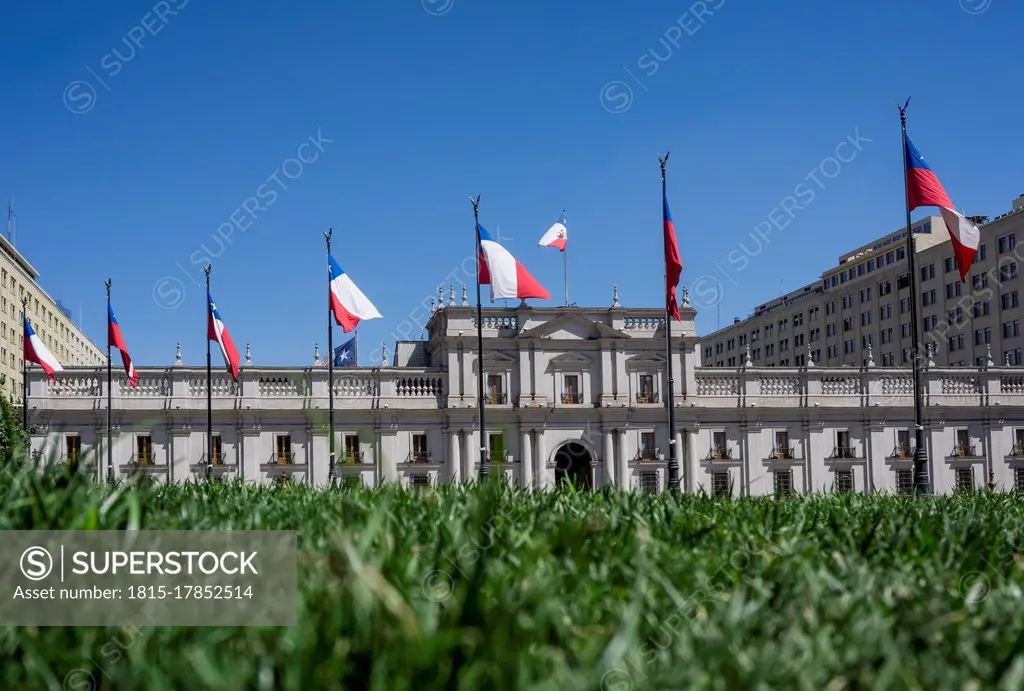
{"x":565,"y":262}
{"x":209,"y":382}
{"x":673,"y":461}
{"x":24,"y":368}
{"x":110,"y":386}
{"x":922,"y":485}
{"x":332,"y":472}
{"x":480,"y":345}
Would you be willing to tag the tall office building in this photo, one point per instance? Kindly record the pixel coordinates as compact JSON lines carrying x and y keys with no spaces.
{"x":51,"y":321}
{"x":860,"y":308}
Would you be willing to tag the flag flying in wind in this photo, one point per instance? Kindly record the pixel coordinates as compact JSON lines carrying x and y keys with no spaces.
{"x":116,"y":340}
{"x":347,"y":302}
{"x":556,"y":236}
{"x":37,"y":352}
{"x":218,"y":332}
{"x":345,"y":355}
{"x":673,"y":264}
{"x":924,"y":189}
{"x":500,"y":270}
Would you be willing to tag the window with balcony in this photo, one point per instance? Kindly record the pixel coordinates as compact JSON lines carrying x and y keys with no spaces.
{"x":721,"y":484}
{"x":495,"y":393}
{"x":719,"y":447}
{"x":964,"y":479}
{"x":782,"y":449}
{"x":420,"y":451}
{"x":649,"y":482}
{"x":496,"y":447}
{"x":903,"y":448}
{"x":844,"y":449}
{"x":73,"y":450}
{"x":353,"y":454}
{"x":571,"y":389}
{"x":1018,"y":443}
{"x":647,"y":393}
{"x":783,"y":482}
{"x":217,"y":457}
{"x":963,"y":445}
{"x":283,"y":449}
{"x":904,"y":481}
{"x":648,"y":452}
{"x":143,"y":450}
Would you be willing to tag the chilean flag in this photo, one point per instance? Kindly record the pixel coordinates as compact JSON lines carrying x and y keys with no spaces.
{"x":116,"y":340}
{"x":924,"y":189}
{"x":673,"y":264}
{"x":218,"y":332}
{"x":37,"y":352}
{"x":347,"y":302}
{"x":556,"y":235}
{"x":500,"y":270}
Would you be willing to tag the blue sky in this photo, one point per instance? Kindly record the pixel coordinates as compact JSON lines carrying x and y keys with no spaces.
{"x":129,"y":135}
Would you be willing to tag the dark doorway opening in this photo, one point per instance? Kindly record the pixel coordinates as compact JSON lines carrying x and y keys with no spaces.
{"x":574,"y":465}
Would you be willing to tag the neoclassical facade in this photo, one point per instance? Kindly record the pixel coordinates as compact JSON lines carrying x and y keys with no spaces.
{"x":568,"y":391}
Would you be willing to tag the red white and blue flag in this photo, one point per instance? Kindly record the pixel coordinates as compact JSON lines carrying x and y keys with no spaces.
{"x":924,"y":189}
{"x":116,"y":340}
{"x":348,"y":304}
{"x":500,"y":270}
{"x":218,"y":332}
{"x":37,"y":352}
{"x":673,"y":264}
{"x":556,"y":236}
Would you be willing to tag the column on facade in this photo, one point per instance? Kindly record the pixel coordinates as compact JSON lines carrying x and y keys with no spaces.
{"x":251,"y":454}
{"x":387,"y":447}
{"x":680,"y":459}
{"x":454,"y":457}
{"x":992,"y":455}
{"x":610,"y":460}
{"x":690,"y":460}
{"x":526,"y":458}
{"x":623,"y":458}
{"x":541,"y":481}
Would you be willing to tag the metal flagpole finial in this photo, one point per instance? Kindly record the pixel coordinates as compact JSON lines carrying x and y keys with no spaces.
{"x":108,"y":283}
{"x":207,"y":269}
{"x":903,"y":110}
{"x":663,"y":160}
{"x":476,"y":205}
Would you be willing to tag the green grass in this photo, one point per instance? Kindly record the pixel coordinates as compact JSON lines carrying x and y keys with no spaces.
{"x":491,"y":587}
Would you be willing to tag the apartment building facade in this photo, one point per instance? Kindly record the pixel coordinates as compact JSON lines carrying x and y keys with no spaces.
{"x":569,"y":392}
{"x":50,"y":320}
{"x":859,"y":310}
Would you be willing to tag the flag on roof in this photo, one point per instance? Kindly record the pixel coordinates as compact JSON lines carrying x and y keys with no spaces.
{"x":116,"y":340}
{"x":673,"y":264}
{"x":500,"y":270}
{"x":37,"y":352}
{"x":556,"y":236}
{"x":218,"y":332}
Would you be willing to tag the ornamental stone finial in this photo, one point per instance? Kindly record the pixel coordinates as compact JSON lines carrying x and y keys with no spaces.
{"x":451,"y":296}
{"x":871,"y":357}
{"x":177,"y":356}
{"x":615,"y":297}
{"x":465,"y":298}
{"x":988,"y":355}
{"x":747,"y":362}
{"x":248,"y":355}
{"x":316,"y":354}
{"x":432,"y":308}
{"x":810,"y":358}
{"x":440,"y":297}
{"x":383,"y":354}
{"x":686,"y":297}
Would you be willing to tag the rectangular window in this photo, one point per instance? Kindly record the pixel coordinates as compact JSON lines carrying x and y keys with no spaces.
{"x":1018,"y":442}
{"x":865,"y":318}
{"x":1007,"y":243}
{"x":949,"y":264}
{"x":495,"y":388}
{"x":353,"y":454}
{"x":783,"y":482}
{"x":649,"y":482}
{"x":1009,"y":300}
{"x":1011,"y":329}
{"x":143,"y":450}
{"x":420,"y":453}
{"x":719,"y":446}
{"x":964,"y":479}
{"x":496,"y":447}
{"x":903,"y":447}
{"x":73,"y":445}
{"x":844,"y":481}
{"x":782,"y":449}
{"x":981,"y":309}
{"x":904,"y":481}
{"x":979,"y":281}
{"x":952,"y":290}
{"x":1018,"y":479}
{"x":572,"y":394}
{"x":419,"y":481}
{"x":982,"y":252}
{"x":648,"y":452}
{"x":217,"y":456}
{"x":647,"y":394}
{"x":283,"y":449}
{"x":865,"y":295}
{"x":721,"y":485}
{"x":904,"y":305}
{"x":1008,"y":271}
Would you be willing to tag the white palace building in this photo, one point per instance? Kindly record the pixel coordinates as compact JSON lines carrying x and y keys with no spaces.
{"x":569,"y":391}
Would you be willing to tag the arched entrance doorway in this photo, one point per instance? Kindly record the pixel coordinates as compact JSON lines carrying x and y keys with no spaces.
{"x":574,"y":465}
